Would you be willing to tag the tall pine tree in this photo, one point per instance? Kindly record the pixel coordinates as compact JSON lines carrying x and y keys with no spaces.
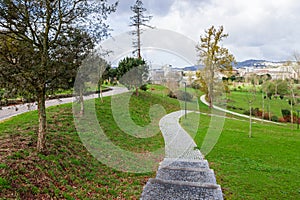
{"x":138,"y":20}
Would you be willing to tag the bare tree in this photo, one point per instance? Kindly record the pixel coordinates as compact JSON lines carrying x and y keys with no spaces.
{"x":138,"y":20}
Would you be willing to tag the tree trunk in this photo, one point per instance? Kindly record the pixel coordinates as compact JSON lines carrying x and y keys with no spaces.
{"x":136,"y":91}
{"x":263,"y":105}
{"x":42,"y":121}
{"x":250,"y":123}
{"x":139,"y":37}
{"x":292,"y":100}
{"x":81,"y":101}
{"x":101,"y":93}
{"x":269,"y":109}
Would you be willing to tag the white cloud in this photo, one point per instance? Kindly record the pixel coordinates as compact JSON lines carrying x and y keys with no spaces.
{"x":257,"y":29}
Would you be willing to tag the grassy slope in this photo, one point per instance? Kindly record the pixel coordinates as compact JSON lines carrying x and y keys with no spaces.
{"x":67,"y":170}
{"x":263,"y":167}
{"x":240,"y":99}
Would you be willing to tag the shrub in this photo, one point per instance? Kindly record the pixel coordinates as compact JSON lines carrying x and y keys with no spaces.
{"x":195,"y":86}
{"x":266,"y":116}
{"x":247,"y":112}
{"x":171,"y":94}
{"x":281,"y":119}
{"x":285,"y":112}
{"x":274,"y":118}
{"x":144,"y":87}
{"x":257,"y":112}
{"x":181,"y":95}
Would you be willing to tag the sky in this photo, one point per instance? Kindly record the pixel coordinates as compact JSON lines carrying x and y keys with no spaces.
{"x":258,"y":29}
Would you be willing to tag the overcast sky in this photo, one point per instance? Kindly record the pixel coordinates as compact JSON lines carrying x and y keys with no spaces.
{"x":258,"y":29}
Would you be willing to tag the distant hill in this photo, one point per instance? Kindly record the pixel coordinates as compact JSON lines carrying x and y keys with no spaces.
{"x":190,"y":68}
{"x":246,"y":63}
{"x":256,"y":63}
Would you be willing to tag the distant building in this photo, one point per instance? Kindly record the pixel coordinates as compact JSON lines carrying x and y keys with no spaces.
{"x":280,"y":72}
{"x":164,"y":74}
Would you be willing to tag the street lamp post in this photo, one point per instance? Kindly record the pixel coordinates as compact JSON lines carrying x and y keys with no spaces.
{"x":184,"y":99}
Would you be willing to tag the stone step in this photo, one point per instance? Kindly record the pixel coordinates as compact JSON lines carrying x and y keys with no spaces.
{"x":201,"y":175}
{"x":184,"y":163}
{"x":175,"y":190}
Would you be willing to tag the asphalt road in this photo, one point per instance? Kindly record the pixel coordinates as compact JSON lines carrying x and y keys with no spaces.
{"x":10,"y":111}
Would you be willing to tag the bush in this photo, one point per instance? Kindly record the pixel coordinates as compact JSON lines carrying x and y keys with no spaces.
{"x":266,"y":116}
{"x":257,"y":112}
{"x":281,"y":119}
{"x":144,"y":87}
{"x":274,"y":118}
{"x":181,"y":95}
{"x":172,"y":95}
{"x":285,"y":112}
{"x":247,"y":112}
{"x":195,"y":86}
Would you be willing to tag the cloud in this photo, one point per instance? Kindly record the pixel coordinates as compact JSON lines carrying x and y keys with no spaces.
{"x":257,"y":29}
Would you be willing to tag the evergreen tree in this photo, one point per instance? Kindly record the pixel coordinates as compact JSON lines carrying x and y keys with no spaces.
{"x":138,"y":20}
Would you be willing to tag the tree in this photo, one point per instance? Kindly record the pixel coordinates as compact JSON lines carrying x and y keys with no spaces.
{"x":45,"y":30}
{"x":251,"y":97}
{"x":292,"y":101}
{"x":133,"y":72}
{"x":216,"y":59}
{"x":138,"y":20}
{"x":201,"y":82}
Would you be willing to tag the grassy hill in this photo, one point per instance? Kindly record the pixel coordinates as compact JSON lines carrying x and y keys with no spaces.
{"x":67,"y":170}
{"x":238,"y":102}
{"x":263,"y":167}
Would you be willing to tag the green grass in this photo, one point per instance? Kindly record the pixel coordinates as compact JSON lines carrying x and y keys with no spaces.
{"x":239,"y":100}
{"x":66,"y":170}
{"x":263,"y":167}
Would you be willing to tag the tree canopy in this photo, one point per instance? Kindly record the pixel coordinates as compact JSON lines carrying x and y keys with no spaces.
{"x":214,"y":57}
{"x":138,"y":20}
{"x":45,"y":42}
{"x":133,"y":72}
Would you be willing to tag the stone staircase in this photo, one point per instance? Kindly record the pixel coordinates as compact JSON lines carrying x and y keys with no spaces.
{"x":184,"y":173}
{"x":183,"y":179}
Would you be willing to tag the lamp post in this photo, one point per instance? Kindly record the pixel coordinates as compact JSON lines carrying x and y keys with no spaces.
{"x":298,"y":119}
{"x":184,"y":99}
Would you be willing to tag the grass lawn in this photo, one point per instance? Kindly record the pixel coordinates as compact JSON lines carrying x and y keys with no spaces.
{"x":239,"y":100}
{"x":67,"y":170}
{"x":263,"y":167}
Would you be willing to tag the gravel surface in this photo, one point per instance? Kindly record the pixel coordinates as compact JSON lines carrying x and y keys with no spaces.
{"x":178,"y":143}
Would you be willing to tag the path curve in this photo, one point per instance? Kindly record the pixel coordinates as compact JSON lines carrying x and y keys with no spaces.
{"x":184,"y":173}
{"x":178,"y":143}
{"x":10,"y":111}
{"x":203,"y":100}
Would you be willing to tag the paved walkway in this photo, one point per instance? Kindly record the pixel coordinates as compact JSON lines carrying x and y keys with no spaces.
{"x":178,"y":143}
{"x":203,"y":100}
{"x":183,"y":174}
{"x":10,"y":111}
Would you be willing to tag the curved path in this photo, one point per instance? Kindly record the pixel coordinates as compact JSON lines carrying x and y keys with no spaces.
{"x":183,"y":174}
{"x":203,"y":100}
{"x":10,"y":111}
{"x":178,"y":143}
